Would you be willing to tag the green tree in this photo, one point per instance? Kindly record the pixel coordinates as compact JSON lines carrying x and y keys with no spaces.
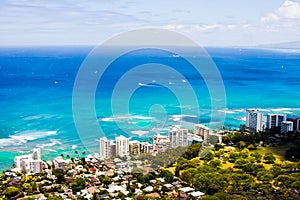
{"x":209,"y":156}
{"x":169,"y":177}
{"x":11,"y":191}
{"x":269,"y":158}
{"x":215,"y":163}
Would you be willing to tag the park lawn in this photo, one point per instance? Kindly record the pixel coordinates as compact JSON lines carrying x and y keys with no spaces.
{"x":279,"y":150}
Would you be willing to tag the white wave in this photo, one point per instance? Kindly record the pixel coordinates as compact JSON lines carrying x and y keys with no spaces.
{"x":74,"y":146}
{"x":227,"y":111}
{"x":264,"y":110}
{"x":181,"y":116}
{"x":140,"y":132}
{"x":177,"y":118}
{"x":147,"y":85}
{"x":52,"y":143}
{"x":287,"y":112}
{"x":107,"y":119}
{"x":141,"y":117}
{"x":242,"y":119}
{"x":32,"y":117}
{"x":280,"y":109}
{"x":23,"y":137}
{"x":132,"y":122}
{"x":52,"y":150}
{"x":120,"y":118}
{"x":239,"y":110}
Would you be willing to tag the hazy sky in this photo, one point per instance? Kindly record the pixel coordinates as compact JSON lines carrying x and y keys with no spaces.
{"x":208,"y":22}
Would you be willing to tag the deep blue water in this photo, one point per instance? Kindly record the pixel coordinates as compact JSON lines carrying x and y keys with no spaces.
{"x":36,"y":85}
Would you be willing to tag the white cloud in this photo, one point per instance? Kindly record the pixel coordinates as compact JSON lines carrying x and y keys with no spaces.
{"x":289,"y":10}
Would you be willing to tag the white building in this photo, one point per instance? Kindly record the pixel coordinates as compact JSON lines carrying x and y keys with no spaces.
{"x":203,"y":131}
{"x":36,"y":154}
{"x":122,"y":146}
{"x":275,"y":120}
{"x":254,"y":120}
{"x":178,"y":136}
{"x":160,"y":142}
{"x":192,"y":139}
{"x":105,"y":148}
{"x":60,"y":163}
{"x":200,"y":129}
{"x":32,"y":166}
{"x":30,"y":163}
{"x":146,"y":147}
{"x":18,"y":160}
{"x":286,"y":126}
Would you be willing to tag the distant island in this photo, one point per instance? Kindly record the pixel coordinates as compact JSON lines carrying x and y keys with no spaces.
{"x":284,"y":45}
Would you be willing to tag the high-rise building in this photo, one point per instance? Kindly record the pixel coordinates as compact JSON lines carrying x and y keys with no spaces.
{"x":254,"y":120}
{"x":296,"y":123}
{"x":105,"y":148}
{"x":122,"y":146}
{"x":178,"y":136}
{"x":36,"y":154}
{"x":275,"y":120}
{"x":203,"y":131}
{"x":286,"y":126}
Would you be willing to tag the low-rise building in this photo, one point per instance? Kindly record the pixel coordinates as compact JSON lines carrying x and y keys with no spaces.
{"x":60,"y":163}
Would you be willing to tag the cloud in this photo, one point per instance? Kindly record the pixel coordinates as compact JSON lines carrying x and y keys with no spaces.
{"x":289,"y":10}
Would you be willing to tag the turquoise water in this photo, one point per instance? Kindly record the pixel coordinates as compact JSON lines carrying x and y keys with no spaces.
{"x":37,"y":83}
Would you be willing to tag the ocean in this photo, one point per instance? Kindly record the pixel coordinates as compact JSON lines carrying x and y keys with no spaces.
{"x":36,"y":87}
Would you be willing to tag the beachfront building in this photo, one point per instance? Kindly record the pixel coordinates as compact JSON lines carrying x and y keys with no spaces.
{"x":160,"y":142}
{"x":275,"y":120}
{"x":105,"y":148}
{"x":32,"y":166}
{"x":122,"y":146}
{"x":286,"y":126}
{"x":18,"y":160}
{"x":254,"y":120}
{"x":30,"y":163}
{"x":203,"y":131}
{"x":60,"y":163}
{"x":178,"y":137}
{"x":36,"y":154}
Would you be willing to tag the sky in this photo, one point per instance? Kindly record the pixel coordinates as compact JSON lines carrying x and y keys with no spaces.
{"x":91,"y":22}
